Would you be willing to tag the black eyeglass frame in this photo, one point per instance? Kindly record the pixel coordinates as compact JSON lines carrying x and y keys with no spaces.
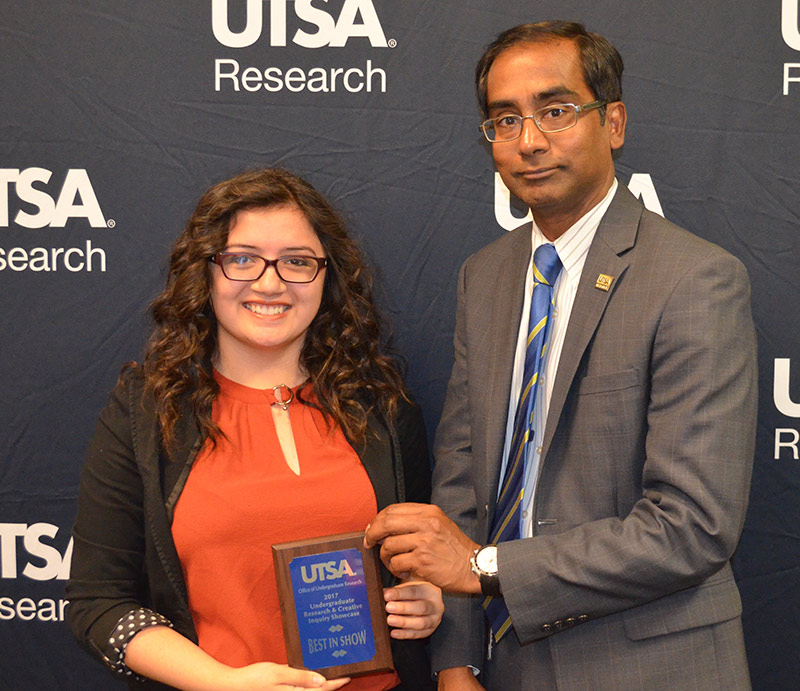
{"x":322,"y":262}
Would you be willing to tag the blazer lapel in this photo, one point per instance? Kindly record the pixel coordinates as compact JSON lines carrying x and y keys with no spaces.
{"x":151,"y":458}
{"x":375,"y":451}
{"x":615,"y":235}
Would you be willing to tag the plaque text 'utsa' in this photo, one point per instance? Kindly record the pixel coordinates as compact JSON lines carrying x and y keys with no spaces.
{"x":326,"y":571}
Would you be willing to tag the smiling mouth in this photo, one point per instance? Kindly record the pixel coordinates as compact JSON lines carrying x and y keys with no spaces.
{"x":265,"y":310}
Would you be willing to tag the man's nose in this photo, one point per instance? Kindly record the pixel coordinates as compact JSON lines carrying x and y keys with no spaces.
{"x":531,"y":138}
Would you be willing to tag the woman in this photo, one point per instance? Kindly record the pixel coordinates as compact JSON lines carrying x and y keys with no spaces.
{"x":265,"y":411}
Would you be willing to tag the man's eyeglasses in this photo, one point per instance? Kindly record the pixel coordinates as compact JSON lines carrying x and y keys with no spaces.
{"x":243,"y":266}
{"x":555,"y":118}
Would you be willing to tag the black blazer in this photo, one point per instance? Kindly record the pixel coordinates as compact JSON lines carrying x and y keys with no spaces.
{"x":124,"y":556}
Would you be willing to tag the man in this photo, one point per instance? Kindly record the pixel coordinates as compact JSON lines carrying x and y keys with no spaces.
{"x":631,"y":442}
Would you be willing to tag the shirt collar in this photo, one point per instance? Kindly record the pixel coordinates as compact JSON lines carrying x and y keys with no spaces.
{"x":573,"y":245}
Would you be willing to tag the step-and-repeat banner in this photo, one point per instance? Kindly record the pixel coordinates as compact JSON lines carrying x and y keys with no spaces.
{"x":116,"y":115}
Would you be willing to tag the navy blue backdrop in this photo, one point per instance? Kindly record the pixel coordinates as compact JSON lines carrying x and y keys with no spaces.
{"x":116,"y":115}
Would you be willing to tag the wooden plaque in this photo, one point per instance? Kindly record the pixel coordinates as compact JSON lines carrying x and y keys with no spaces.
{"x":332,"y":606}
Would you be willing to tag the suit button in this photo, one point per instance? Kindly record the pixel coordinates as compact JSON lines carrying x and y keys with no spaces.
{"x":571,"y":621}
{"x":583,"y":618}
{"x":558,"y":625}
{"x":486,"y":509}
{"x":546,"y":628}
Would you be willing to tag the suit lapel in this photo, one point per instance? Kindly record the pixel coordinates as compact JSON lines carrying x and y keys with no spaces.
{"x":615,"y":235}
{"x":504,"y":329}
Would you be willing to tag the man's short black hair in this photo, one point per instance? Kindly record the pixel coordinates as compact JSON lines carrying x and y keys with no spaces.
{"x":601,"y":62}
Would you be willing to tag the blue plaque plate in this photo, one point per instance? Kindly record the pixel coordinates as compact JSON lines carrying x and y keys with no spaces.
{"x":332,"y":607}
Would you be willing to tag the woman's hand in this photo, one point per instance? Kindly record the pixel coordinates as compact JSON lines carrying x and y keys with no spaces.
{"x":268,"y":676}
{"x":163,"y":654}
{"x":415,"y":609}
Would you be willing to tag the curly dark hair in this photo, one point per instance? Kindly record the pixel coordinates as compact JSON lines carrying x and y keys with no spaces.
{"x":600,"y":61}
{"x":348,"y":363}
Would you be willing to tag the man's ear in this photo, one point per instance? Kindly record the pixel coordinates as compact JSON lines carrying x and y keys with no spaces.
{"x":616,"y":119}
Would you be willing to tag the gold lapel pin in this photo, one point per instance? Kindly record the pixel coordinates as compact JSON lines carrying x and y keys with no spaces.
{"x":603,"y":282}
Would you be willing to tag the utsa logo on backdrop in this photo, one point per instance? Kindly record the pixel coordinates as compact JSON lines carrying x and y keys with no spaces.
{"x":302,"y":24}
{"x":787,"y":439}
{"x":29,"y":200}
{"x":53,"y":208}
{"x":28,"y":555}
{"x":790,"y":30}
{"x":640,"y":184}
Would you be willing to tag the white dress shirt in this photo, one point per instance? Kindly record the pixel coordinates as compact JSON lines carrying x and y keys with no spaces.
{"x":572,"y":248}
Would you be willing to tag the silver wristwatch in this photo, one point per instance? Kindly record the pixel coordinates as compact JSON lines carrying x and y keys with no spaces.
{"x":484,"y":565}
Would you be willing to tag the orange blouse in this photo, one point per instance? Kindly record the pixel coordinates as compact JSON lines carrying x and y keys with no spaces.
{"x":239,"y":499}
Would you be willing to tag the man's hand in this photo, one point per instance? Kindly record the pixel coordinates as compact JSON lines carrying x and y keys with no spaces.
{"x":458,"y":679}
{"x":419,"y":541}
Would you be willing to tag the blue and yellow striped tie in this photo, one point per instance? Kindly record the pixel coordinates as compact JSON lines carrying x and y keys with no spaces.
{"x":506,"y":521}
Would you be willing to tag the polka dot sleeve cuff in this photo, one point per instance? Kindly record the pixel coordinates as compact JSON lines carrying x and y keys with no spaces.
{"x":127,"y":627}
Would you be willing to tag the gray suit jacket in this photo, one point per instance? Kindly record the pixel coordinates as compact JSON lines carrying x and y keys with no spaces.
{"x":645,"y":468}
